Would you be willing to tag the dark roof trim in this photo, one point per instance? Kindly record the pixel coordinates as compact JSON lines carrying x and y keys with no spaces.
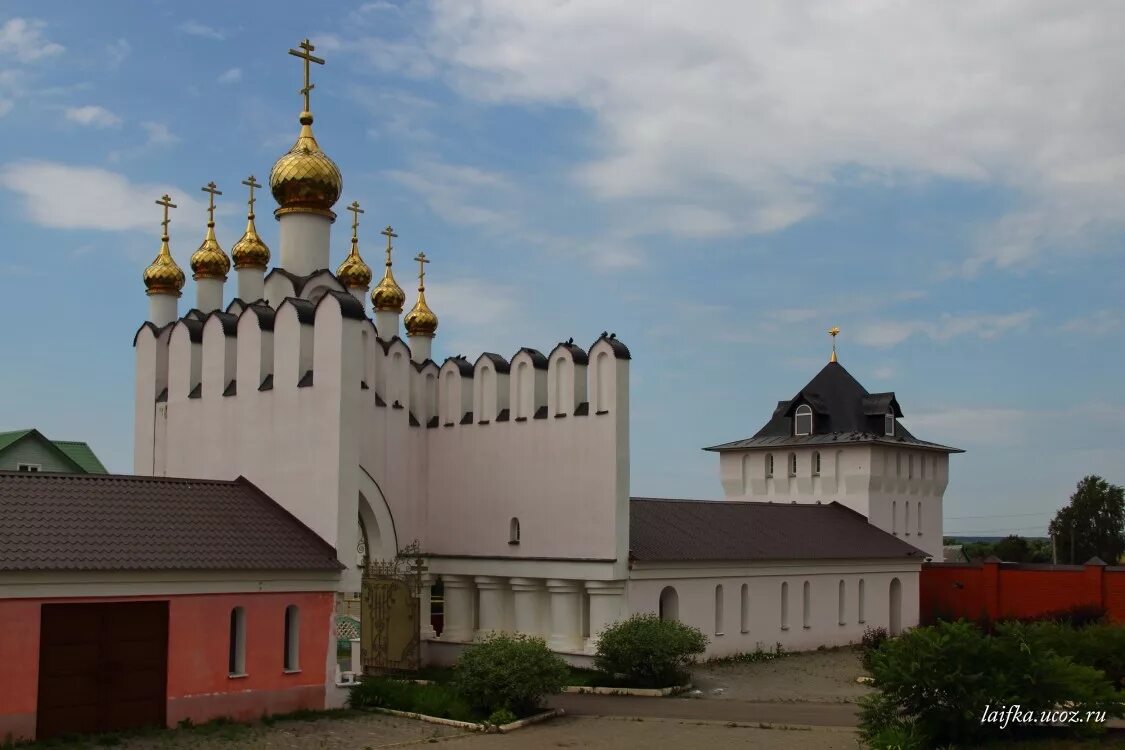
{"x":264,"y":313}
{"x":194,"y":328}
{"x":419,"y":366}
{"x":877,"y":404}
{"x":538,"y":360}
{"x":499,"y":363}
{"x":229,"y":322}
{"x":350,"y":307}
{"x":306,"y":311}
{"x":619,"y":349}
{"x":461,"y":364}
{"x":156,"y":330}
{"x":300,"y":282}
{"x":577,"y":353}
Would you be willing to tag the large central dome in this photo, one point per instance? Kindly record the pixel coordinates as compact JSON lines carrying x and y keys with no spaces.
{"x":305,"y":180}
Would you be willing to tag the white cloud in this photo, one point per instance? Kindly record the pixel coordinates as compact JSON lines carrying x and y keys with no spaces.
{"x":158,"y":134}
{"x":1100,"y":323}
{"x":884,"y":372}
{"x":195,"y":28}
{"x":92,"y":115}
{"x":117,"y":51}
{"x":891,"y":332}
{"x":22,"y":40}
{"x":757,"y":111}
{"x":6,"y":106}
{"x":794,"y":315}
{"x":980,"y":425}
{"x":233,"y":75}
{"x":65,"y":196}
{"x":458,"y":193}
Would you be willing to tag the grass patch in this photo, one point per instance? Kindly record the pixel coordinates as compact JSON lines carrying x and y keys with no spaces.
{"x":759,"y":654}
{"x":432,"y":700}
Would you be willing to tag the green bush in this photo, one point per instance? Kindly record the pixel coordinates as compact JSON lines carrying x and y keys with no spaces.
{"x":512,"y":672}
{"x":873,"y":639}
{"x":1100,"y":645}
{"x":402,"y":695}
{"x":650,"y":651}
{"x":500,"y":717}
{"x":935,"y":683}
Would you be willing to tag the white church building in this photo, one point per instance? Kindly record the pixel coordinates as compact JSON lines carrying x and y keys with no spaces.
{"x":512,"y":474}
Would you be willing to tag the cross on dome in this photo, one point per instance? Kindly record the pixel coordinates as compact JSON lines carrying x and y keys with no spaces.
{"x":305,"y":53}
{"x":212,"y":189}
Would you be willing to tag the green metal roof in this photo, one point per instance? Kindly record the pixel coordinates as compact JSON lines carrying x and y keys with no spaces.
{"x":77,"y":451}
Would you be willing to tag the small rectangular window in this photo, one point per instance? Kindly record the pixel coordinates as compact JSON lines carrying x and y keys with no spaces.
{"x":792,"y":464}
{"x":29,"y":467}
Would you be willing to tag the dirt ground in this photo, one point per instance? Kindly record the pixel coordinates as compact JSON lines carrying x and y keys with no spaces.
{"x":816,"y":676}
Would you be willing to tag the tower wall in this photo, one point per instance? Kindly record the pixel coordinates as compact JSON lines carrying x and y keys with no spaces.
{"x":305,"y":240}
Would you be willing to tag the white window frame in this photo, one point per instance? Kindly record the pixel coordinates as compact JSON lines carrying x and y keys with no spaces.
{"x":769,"y":466}
{"x":889,"y":422}
{"x":792,"y":464}
{"x":804,"y":410}
{"x":816,"y":464}
{"x":29,"y":468}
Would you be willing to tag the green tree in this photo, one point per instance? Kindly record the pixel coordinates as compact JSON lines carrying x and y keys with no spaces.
{"x":1093,"y":524}
{"x":1012,"y":548}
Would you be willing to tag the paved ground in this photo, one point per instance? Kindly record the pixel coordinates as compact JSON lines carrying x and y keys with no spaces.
{"x":813,"y":714}
{"x":816,"y":676}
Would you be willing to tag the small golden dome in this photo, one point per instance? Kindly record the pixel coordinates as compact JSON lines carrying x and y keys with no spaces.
{"x":250,"y":251}
{"x":209,"y":261}
{"x":305,"y":179}
{"x":421,"y":320}
{"x":353,"y":272}
{"x":388,"y":296}
{"x":164,"y":276}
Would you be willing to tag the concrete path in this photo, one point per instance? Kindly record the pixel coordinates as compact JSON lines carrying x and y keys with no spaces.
{"x":806,"y":714}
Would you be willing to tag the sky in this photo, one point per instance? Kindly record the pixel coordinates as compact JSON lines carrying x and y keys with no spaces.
{"x":717,"y":183}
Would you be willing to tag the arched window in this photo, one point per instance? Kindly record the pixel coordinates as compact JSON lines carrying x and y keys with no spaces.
{"x":889,"y":421}
{"x":236,"y":662}
{"x":792,"y":464}
{"x":514,"y":531}
{"x":745,"y":613}
{"x":895,"y":620}
{"x":816,"y":464}
{"x":802,"y":421}
{"x":292,"y":638}
{"x":769,"y":465}
{"x":785,"y":605}
{"x":806,"y":600}
{"x":719,"y":610}
{"x":859,"y":609}
{"x":843,"y":599}
{"x":669,"y":606}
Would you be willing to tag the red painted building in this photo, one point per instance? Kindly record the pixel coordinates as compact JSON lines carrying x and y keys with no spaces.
{"x":128,"y":601}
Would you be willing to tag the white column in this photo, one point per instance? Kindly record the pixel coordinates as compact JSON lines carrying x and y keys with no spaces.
{"x":420,"y":347}
{"x":607,"y":606}
{"x":528,"y":595}
{"x":459,"y":595}
{"x":566,"y":615}
{"x":162,"y":308}
{"x":251,"y":284}
{"x":208,"y":294}
{"x":425,"y":606}
{"x":386,"y":323}
{"x":493,"y":592}
{"x":305,"y":240}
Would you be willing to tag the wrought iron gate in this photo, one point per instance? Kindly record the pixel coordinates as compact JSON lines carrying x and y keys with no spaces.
{"x":390,"y":615}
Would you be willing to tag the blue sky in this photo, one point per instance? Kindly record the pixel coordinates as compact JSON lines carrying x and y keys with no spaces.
{"x":718,"y":186}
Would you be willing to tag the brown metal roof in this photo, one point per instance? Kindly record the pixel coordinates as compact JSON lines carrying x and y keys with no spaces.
{"x":687,"y":530}
{"x":117,"y":522}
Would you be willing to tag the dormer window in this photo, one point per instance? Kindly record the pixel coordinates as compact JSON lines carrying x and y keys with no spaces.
{"x":889,"y":422}
{"x":802,"y":421}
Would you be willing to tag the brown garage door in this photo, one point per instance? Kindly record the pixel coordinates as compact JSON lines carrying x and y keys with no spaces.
{"x":102,"y":667}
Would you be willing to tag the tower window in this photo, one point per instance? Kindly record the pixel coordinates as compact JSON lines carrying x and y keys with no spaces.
{"x":292,"y":639}
{"x":514,"y":531}
{"x":769,"y":465}
{"x":816,"y":464}
{"x":889,"y":422}
{"x":792,"y":464}
{"x":236,"y":658}
{"x":802,"y":423}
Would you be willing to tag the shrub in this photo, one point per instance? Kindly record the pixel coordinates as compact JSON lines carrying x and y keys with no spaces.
{"x":400,"y":695}
{"x":873,"y":639}
{"x":651,"y":652}
{"x":505,"y":671}
{"x":936,"y":681}
{"x":500,"y":717}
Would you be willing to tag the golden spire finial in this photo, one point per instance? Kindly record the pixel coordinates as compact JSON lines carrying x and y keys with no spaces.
{"x":305,"y":53}
{"x":389,"y":234}
{"x":163,"y":276}
{"x":421,"y":320}
{"x":834,"y":331}
{"x":250,"y":251}
{"x":209,"y":261}
{"x":354,"y":272}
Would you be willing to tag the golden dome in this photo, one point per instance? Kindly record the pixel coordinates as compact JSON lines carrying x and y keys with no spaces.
{"x":250,"y":251}
{"x":209,"y":261}
{"x":421,"y":320}
{"x":164,"y":276}
{"x":353,"y":272}
{"x":388,"y":296}
{"x":305,"y":179}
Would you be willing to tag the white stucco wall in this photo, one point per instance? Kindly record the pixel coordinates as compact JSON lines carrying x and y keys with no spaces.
{"x":695,"y":586}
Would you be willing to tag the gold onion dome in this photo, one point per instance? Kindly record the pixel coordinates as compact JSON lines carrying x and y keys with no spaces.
{"x":388,"y":296}
{"x":209,"y":261}
{"x":250,"y":251}
{"x":354,"y":272}
{"x":163,"y":276}
{"x":421,"y":320}
{"x":305,"y":180}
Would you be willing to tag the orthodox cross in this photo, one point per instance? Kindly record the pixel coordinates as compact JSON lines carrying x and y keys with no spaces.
{"x":251,"y":183}
{"x":213,"y":189}
{"x":166,"y":201}
{"x":388,"y":233}
{"x":356,"y":211}
{"x":834,"y":331}
{"x":422,"y":261}
{"x":305,"y":53}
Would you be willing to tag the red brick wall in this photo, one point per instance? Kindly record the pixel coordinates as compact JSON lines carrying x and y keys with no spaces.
{"x":996,"y":590}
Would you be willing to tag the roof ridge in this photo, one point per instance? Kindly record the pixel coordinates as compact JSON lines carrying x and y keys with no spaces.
{"x":101,"y":477}
{"x":732,"y":502}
